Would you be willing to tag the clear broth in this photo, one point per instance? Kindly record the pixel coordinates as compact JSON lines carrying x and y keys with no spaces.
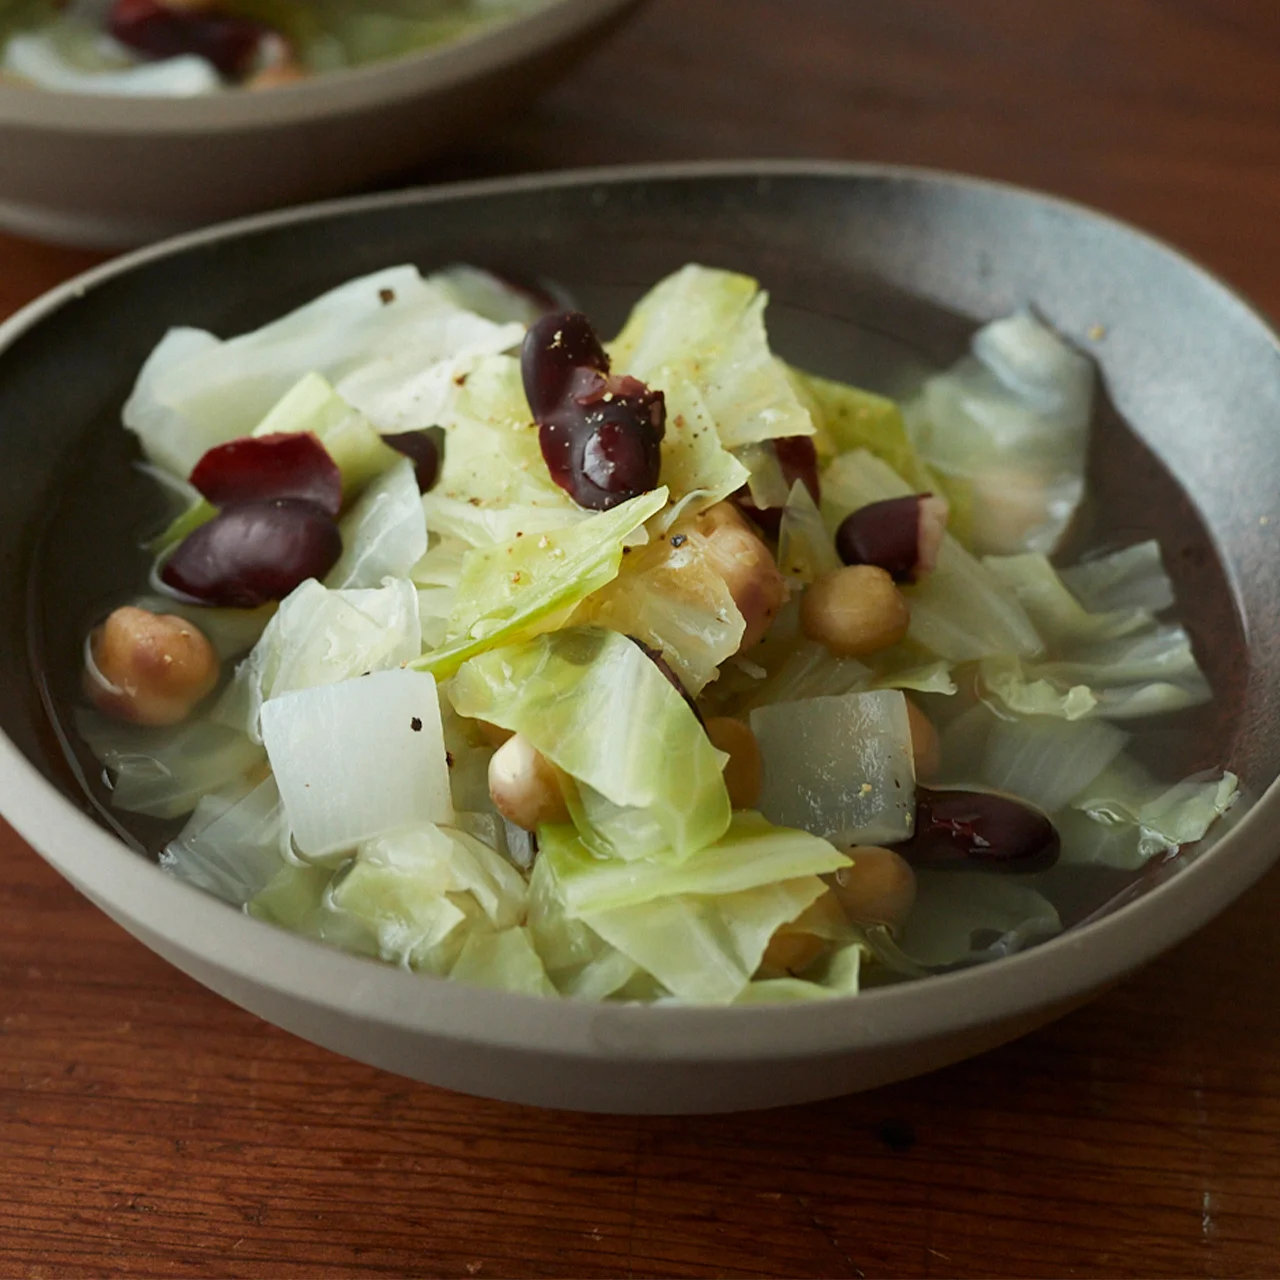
{"x":91,"y":555}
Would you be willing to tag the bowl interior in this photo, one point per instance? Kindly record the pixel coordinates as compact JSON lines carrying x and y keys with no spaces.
{"x":873,"y":275}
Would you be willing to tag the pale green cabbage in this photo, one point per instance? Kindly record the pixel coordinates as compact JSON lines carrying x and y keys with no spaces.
{"x":511,"y":592}
{"x":577,"y":695}
{"x":708,"y":326}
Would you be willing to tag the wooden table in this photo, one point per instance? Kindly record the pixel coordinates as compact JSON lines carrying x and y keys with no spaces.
{"x":147,"y":1127}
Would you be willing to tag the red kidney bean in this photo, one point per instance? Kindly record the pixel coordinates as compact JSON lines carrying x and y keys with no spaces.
{"x":979,"y":830}
{"x":600,"y":435}
{"x":260,"y":468}
{"x":554,"y":349}
{"x":899,"y":535}
{"x":798,"y":460}
{"x":253,"y":553}
{"x":425,"y":448}
{"x":229,"y":42}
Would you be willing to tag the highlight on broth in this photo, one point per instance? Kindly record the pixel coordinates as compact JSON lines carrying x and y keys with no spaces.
{"x":645,"y":670}
{"x":188,"y":48}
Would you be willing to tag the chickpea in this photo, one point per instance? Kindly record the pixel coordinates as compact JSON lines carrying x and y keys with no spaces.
{"x":524,"y":785}
{"x":879,"y":888}
{"x":855,"y":611}
{"x":925,"y":747}
{"x":795,"y":946}
{"x":149,"y":668}
{"x":744,"y":773}
{"x":746,"y":565}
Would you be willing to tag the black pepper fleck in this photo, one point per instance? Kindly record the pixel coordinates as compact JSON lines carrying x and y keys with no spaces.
{"x":416,"y":725}
{"x":388,"y":296}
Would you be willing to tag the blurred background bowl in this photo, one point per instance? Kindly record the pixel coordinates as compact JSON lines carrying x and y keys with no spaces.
{"x":113,"y":172}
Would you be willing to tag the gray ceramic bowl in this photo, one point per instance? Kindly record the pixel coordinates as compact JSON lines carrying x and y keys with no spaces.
{"x":855,"y":257}
{"x":111,"y":172}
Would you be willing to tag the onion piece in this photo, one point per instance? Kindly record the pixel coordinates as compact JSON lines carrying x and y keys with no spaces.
{"x":839,"y":767}
{"x":358,"y":759}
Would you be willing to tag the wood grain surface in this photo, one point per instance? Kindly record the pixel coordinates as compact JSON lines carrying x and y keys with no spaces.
{"x":147,"y":1127}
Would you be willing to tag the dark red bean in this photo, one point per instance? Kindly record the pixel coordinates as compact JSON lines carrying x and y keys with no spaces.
{"x":899,"y":535}
{"x":425,"y":449}
{"x":554,"y":349}
{"x":798,"y":460}
{"x":979,"y":830}
{"x":260,"y":468}
{"x":600,"y":435}
{"x":229,"y":42}
{"x":250,"y":554}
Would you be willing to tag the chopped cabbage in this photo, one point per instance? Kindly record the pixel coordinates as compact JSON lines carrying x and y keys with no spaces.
{"x":1059,"y":617}
{"x":311,"y":404}
{"x":1044,"y":760}
{"x":805,"y":547}
{"x":299,"y":898}
{"x":696,"y":468}
{"x":511,"y":592}
{"x":576,"y":695}
{"x":506,"y":961}
{"x":752,"y":852}
{"x":196,"y":391}
{"x":484,"y":525}
{"x":385,"y":534}
{"x":1133,"y":577}
{"x":487,"y":295}
{"x":320,"y":637}
{"x":705,"y":950}
{"x":962,"y":918}
{"x":492,"y":458}
{"x":668,"y":595}
{"x":848,"y":418}
{"x":421,"y":891}
{"x":1140,"y":675}
{"x":233,"y":844}
{"x":787,"y":667}
{"x":708,"y":326}
{"x":1008,"y":426}
{"x":165,"y":772}
{"x":1166,"y":817}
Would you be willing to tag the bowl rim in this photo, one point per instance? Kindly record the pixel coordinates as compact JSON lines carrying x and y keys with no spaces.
{"x":346,"y":91}
{"x":242,"y":950}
